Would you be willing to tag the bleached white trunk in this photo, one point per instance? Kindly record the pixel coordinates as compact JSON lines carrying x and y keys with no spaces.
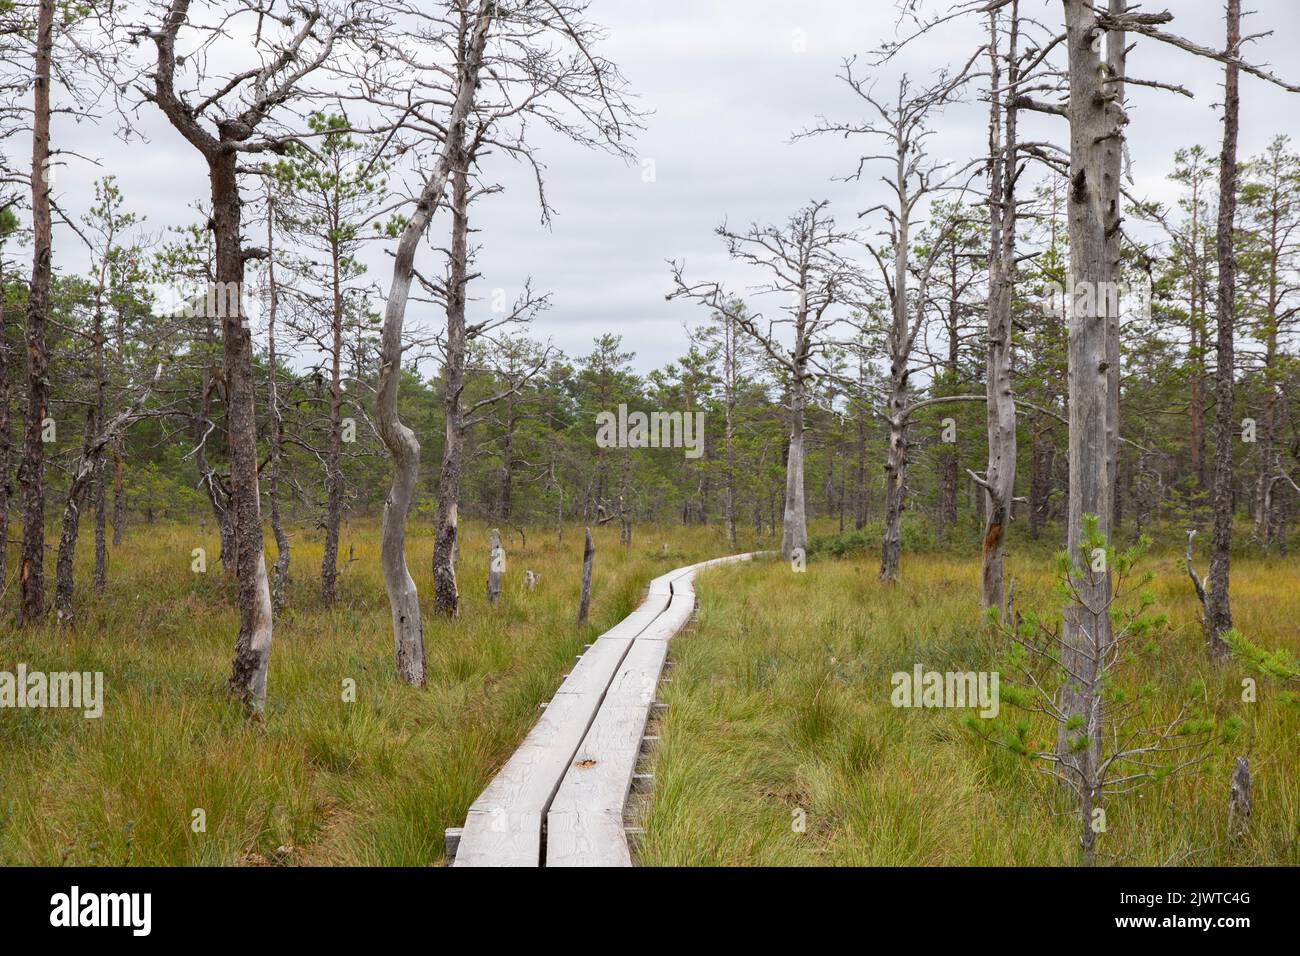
{"x":408,"y":632}
{"x":1000,"y":474}
{"x":794,"y":533}
{"x":1085,"y":633}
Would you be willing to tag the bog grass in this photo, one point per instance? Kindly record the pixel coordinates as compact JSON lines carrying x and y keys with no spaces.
{"x":779,"y":710}
{"x":318,"y":780}
{"x":781,"y":747}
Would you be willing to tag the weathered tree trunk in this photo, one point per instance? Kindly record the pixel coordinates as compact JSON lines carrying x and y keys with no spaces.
{"x":32,"y":470}
{"x":588,"y":556}
{"x":794,"y":534}
{"x":899,"y":346}
{"x":334,"y":457}
{"x":1000,"y":477}
{"x":446,"y":598}
{"x":6,"y":438}
{"x":496,"y":566}
{"x":1239,"y":800}
{"x":248,"y":671}
{"x":408,"y":632}
{"x":1218,"y":610}
{"x":403,"y":598}
{"x":895,"y":487}
{"x":1112,"y":149}
{"x":282,"y":545}
{"x":1086,"y":625}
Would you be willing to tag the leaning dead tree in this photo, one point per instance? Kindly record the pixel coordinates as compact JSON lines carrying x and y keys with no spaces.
{"x":84,"y":473}
{"x":227,"y":117}
{"x":473,"y":27}
{"x":517,"y":64}
{"x":806,"y":263}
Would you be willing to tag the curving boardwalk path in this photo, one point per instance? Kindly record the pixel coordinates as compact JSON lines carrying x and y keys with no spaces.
{"x":560,"y":798}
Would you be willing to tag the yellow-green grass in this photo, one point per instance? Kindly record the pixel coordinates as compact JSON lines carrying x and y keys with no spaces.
{"x":781,"y":747}
{"x":331,"y":782}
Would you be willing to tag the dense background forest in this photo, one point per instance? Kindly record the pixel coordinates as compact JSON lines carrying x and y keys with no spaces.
{"x":531,"y":459}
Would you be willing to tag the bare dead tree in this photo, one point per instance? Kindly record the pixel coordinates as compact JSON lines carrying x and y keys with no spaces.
{"x":1096,"y":81}
{"x":805,"y":261}
{"x":900,"y":125}
{"x":284,"y":550}
{"x":408,"y":630}
{"x":999,"y":480}
{"x":83,"y":475}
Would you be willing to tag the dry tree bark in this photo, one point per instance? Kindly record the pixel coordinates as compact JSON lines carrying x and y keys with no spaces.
{"x":224,"y":125}
{"x":496,"y":566}
{"x":1000,"y":475}
{"x":32,"y":468}
{"x":446,"y":597}
{"x":1239,"y":796}
{"x":588,"y":556}
{"x":1086,"y":626}
{"x":1218,"y":610}
{"x":408,"y":631}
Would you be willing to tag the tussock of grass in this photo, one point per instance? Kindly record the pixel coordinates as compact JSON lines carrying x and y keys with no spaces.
{"x":375,"y":781}
{"x":780,"y":703}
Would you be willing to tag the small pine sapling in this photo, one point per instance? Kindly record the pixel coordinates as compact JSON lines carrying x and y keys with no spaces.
{"x":1123,"y":738}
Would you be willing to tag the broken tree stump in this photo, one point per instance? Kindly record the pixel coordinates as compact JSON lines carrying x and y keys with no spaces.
{"x":588,"y":554}
{"x":496,"y":566}
{"x":1239,"y":804}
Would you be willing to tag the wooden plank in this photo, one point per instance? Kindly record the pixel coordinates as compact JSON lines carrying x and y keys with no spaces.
{"x":585,"y":823}
{"x":679,"y":612}
{"x":504,"y":825}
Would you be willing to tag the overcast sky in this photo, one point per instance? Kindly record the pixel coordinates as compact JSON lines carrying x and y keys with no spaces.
{"x":726,"y":83}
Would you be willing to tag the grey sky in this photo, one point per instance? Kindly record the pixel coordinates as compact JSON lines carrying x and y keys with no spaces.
{"x":728,"y":86}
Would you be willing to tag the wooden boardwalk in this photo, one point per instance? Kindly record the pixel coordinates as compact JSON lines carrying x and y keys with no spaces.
{"x":560,"y":798}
